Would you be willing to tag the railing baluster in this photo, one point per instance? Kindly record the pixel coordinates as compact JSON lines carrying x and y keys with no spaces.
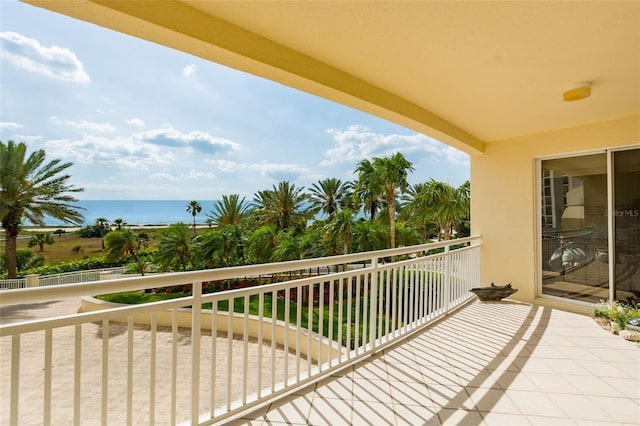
{"x":214,"y":354}
{"x":357,"y":314}
{"x":77,"y":369}
{"x":260,"y":324}
{"x":15,"y":378}
{"x":105,"y":370}
{"x":330,"y":322}
{"x":174,"y":363}
{"x":310,"y":298}
{"x":152,"y":368}
{"x":130,"y":370}
{"x":298,"y":330}
{"x":196,"y":333}
{"x":245,"y":350}
{"x":350,"y":285}
{"x":230,"y":312}
{"x":287,"y":314}
{"x":340,"y":307}
{"x":320,"y":323}
{"x":274,"y":318}
{"x":48,"y":340}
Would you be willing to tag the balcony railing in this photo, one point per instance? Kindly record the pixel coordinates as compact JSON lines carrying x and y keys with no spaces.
{"x":194,"y":360}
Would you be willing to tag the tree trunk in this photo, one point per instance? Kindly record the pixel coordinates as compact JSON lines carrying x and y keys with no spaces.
{"x":10,"y":254}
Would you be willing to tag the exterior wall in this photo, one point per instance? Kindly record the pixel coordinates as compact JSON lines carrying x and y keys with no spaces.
{"x":503,"y":202}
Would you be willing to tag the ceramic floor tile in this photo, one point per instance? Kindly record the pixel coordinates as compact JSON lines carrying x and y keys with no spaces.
{"x":331,"y":411}
{"x":621,"y":410}
{"x":292,"y":410}
{"x":578,"y":407}
{"x":460,"y":417}
{"x":373,"y":413}
{"x":492,"y":400}
{"x":411,"y":415}
{"x":535,"y":403}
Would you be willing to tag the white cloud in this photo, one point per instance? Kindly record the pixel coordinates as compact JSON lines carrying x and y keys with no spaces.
{"x":265,"y":168}
{"x":9,"y":125}
{"x":358,"y":142}
{"x":85,"y":125}
{"x":27,"y":138}
{"x":55,"y":62}
{"x":225,"y":165}
{"x":189,"y":70}
{"x":136,"y":122}
{"x":199,"y":141}
{"x":193,"y":175}
{"x":116,"y":151}
{"x":456,"y":156}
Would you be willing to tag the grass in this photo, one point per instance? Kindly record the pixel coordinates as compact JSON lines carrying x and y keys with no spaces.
{"x":62,"y":249}
{"x":135,"y":297}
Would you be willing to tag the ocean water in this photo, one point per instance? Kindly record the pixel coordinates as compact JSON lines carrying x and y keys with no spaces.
{"x":139,"y":212}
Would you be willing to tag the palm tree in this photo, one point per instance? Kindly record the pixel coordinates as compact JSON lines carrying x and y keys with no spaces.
{"x":194,"y":208}
{"x":447,"y":205}
{"x":389,"y":174}
{"x":121,"y":244}
{"x":229,"y":211}
{"x":339,"y":230}
{"x":263,"y":242}
{"x":367,"y":188}
{"x":102,"y":223}
{"x":282,"y":206}
{"x":329,"y":195}
{"x":119,"y":223}
{"x":40,"y":239}
{"x":31,"y":189}
{"x":175,"y":247}
{"x":368,"y":236}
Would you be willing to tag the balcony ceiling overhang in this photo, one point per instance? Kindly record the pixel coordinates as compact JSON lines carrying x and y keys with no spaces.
{"x":466,"y":73}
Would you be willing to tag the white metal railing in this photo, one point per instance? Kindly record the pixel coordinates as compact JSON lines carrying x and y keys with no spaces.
{"x":13,"y":284}
{"x":110,"y":370}
{"x":64,"y":278}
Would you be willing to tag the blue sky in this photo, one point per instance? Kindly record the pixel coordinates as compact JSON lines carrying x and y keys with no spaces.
{"x":142,"y":121}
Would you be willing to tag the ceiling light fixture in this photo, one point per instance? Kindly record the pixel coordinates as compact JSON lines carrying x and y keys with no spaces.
{"x":577,"y":91}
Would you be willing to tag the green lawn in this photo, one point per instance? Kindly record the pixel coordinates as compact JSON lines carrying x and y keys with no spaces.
{"x":135,"y":297}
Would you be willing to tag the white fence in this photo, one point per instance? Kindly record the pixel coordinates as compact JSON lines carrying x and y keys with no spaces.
{"x":111,"y":370}
{"x":65,"y":278}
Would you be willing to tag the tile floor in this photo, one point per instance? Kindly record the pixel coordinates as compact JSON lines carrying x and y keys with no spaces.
{"x":491,"y":363}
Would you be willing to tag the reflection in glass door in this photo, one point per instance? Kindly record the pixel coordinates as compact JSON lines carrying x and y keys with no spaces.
{"x":626,"y":225}
{"x":574,"y":228}
{"x":580,"y":237}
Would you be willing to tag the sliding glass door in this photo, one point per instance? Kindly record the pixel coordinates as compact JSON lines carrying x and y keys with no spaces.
{"x":579,"y":236}
{"x":626,"y":224}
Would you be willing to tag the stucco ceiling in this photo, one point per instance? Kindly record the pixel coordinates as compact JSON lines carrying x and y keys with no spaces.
{"x":467,"y":73}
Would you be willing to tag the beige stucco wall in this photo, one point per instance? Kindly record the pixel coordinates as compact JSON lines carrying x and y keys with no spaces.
{"x":503,"y":199}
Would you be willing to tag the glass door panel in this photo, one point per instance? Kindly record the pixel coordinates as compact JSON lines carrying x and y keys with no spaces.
{"x":574,"y":228}
{"x":626,"y":198}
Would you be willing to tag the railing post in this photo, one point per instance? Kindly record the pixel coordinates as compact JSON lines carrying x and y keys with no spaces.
{"x":196,"y":319}
{"x":447,"y":279}
{"x":373,"y":301}
{"x":32,"y":280}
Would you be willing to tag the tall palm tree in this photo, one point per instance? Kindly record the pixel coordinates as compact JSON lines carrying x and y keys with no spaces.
{"x":231,"y":210}
{"x":368,"y":236}
{"x":102,"y":223}
{"x":329,"y":195}
{"x":31,"y":189}
{"x":194,"y":207}
{"x":282,"y":206}
{"x":175,"y":247}
{"x":447,"y":205}
{"x":367,"y":188}
{"x":121,"y":244}
{"x":391,"y":174}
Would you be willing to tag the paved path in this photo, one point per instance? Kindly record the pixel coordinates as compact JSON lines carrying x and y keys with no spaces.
{"x":32,"y":364}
